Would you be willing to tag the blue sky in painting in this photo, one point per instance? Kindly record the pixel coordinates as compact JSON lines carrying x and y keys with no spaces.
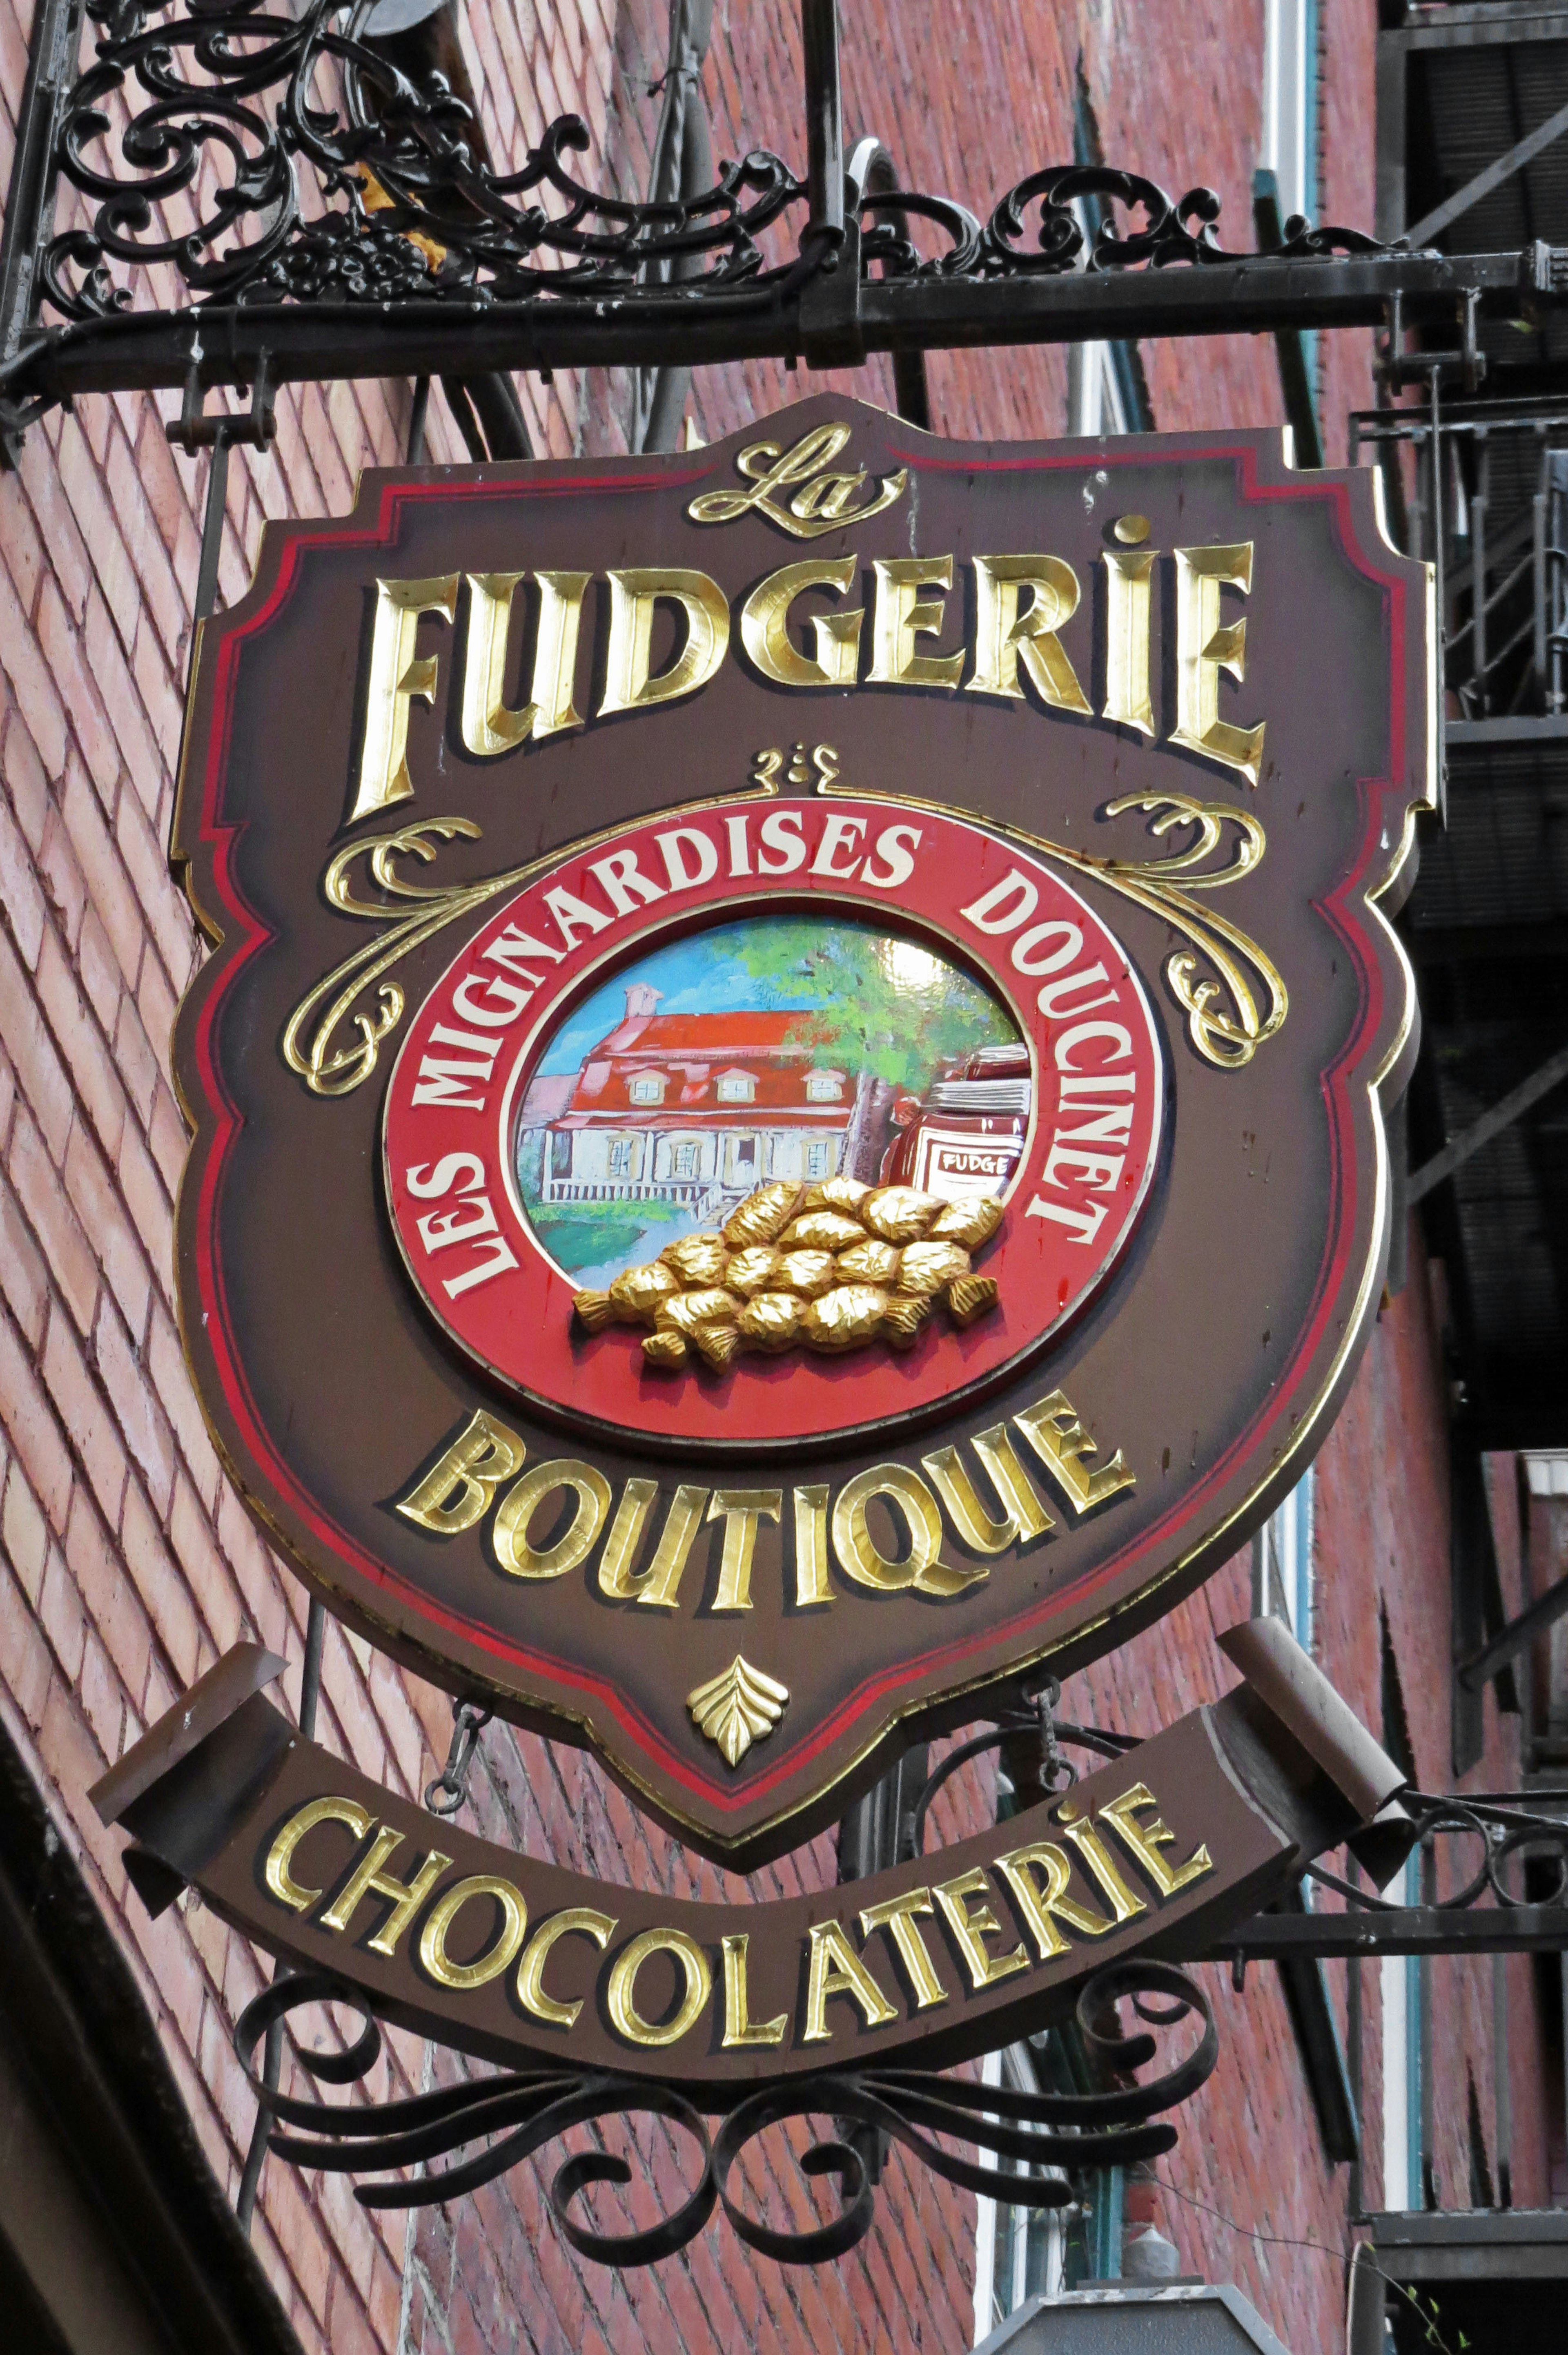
{"x":699,"y":974}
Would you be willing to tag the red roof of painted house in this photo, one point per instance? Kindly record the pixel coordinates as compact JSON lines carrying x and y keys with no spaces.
{"x":693,"y":1052}
{"x":655,"y":1034}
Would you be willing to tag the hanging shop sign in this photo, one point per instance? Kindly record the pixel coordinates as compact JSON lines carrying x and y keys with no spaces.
{"x":787,"y":1098}
{"x":519,"y":1961}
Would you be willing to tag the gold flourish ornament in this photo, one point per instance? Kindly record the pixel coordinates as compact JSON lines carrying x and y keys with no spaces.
{"x":737,"y":1708}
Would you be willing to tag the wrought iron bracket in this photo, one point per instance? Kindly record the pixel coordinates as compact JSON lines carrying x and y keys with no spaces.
{"x":414,"y":257}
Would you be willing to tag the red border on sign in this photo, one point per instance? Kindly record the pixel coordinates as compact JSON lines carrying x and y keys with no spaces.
{"x":825,"y":855}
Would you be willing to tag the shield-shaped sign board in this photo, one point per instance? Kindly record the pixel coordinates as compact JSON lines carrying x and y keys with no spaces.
{"x":788,"y":1096}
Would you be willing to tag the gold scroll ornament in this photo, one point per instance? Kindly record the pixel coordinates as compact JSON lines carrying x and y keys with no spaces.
{"x":828,"y":1268}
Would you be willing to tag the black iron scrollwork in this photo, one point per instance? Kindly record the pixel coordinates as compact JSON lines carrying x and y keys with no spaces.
{"x":268,"y":158}
{"x":1511,"y":1834}
{"x":511,"y":2115}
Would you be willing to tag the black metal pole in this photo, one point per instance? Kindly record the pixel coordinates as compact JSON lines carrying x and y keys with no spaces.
{"x":212,"y":527}
{"x":272,"y":2053}
{"x":824,"y":120}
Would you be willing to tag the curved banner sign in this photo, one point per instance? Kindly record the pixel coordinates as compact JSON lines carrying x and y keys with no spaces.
{"x":789,"y":1097}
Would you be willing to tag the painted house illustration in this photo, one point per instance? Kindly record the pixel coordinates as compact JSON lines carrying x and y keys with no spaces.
{"x":695,"y":1109}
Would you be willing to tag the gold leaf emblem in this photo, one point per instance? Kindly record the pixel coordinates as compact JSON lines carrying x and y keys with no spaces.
{"x":737,"y":1708}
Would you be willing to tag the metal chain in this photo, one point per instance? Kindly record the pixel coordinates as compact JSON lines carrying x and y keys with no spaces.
{"x":447,"y":1793}
{"x":1056,"y":1772}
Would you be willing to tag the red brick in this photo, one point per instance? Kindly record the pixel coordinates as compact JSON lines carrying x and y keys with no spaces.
{"x":35,"y":1434}
{"x":24,"y":1278}
{"x":25,"y":1532}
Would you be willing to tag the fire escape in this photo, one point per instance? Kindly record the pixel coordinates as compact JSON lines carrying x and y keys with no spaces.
{"x":1473,"y":154}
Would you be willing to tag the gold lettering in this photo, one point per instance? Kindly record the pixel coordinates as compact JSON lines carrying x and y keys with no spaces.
{"x":1204,"y":647}
{"x":811,"y":1583}
{"x":617,"y":1580}
{"x":370,"y":1878}
{"x":923,"y":1569}
{"x":487,"y":727}
{"x":633,"y":595}
{"x":1146,"y":1840}
{"x":513,"y":1551}
{"x":837,"y":1969}
{"x":1003,"y":636}
{"x":456,"y":1492}
{"x":1125,"y":1906}
{"x":275,"y":1872}
{"x":397,"y":674}
{"x":620,"y":1991}
{"x":824,"y":502}
{"x":489,"y":1965}
{"x":902,"y":615}
{"x":1041,"y":1909}
{"x":1058,"y":1438}
{"x":740,"y":2027}
{"x":531,"y":1994}
{"x":740,"y":1509}
{"x":896,"y":1915}
{"x":1128,"y":582}
{"x":1024,"y":1518}
{"x":658,"y":1586}
{"x":973,"y":1925}
{"x":765,"y":627}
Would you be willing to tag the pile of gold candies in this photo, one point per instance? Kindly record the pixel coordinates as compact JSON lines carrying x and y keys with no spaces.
{"x":832,"y":1267}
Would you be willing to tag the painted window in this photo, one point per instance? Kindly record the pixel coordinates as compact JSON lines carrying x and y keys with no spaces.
{"x":623,"y":1156}
{"x":737,"y":1087}
{"x":561,"y":1153}
{"x":824,"y":1087}
{"x":820,"y":1159}
{"x":647,"y":1088}
{"x":686,"y":1159}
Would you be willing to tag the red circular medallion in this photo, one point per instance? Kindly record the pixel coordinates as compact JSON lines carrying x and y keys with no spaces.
{"x":752,"y":991}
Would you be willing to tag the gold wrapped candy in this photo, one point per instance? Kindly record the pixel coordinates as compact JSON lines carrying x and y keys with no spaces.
{"x":823,"y":1231}
{"x":931,"y":1267}
{"x":833,"y":1269}
{"x":665,"y":1350}
{"x":763,"y":1216}
{"x":843,"y":1317}
{"x":836,"y":1194}
{"x":971,"y":1223}
{"x":898,"y":1213}
{"x":772,"y":1321}
{"x":686,"y":1310}
{"x":752,"y":1271}
{"x":870,"y":1262}
{"x":971,"y":1297}
{"x":696,"y":1259}
{"x":807,"y":1271}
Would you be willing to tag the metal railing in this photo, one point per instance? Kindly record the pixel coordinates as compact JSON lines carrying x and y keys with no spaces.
{"x":1484,"y":493}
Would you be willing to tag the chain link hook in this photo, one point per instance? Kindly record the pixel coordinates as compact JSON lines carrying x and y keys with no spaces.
{"x":446,"y":1794}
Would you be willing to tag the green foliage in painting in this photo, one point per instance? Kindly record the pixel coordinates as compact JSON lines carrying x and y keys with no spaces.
{"x":878,"y":1002}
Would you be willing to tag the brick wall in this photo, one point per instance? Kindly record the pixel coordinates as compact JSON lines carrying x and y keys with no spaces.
{"x":127,"y":1561}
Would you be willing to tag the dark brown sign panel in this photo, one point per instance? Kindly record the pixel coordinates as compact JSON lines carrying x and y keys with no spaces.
{"x":514,"y":1959}
{"x":787,"y":1101}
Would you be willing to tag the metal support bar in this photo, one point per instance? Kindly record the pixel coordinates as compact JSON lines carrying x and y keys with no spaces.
{"x":139,"y":351}
{"x":824,"y":120}
{"x":272,"y":2060}
{"x":1502,"y":1116}
{"x":1289,"y":343}
{"x":1543,"y":1612}
{"x":1517,"y":157}
{"x":55,"y":46}
{"x":1394,"y":1930}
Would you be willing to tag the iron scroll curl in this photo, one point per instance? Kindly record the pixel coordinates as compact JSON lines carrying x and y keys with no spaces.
{"x":322,"y":173}
{"x":513,"y":2114}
